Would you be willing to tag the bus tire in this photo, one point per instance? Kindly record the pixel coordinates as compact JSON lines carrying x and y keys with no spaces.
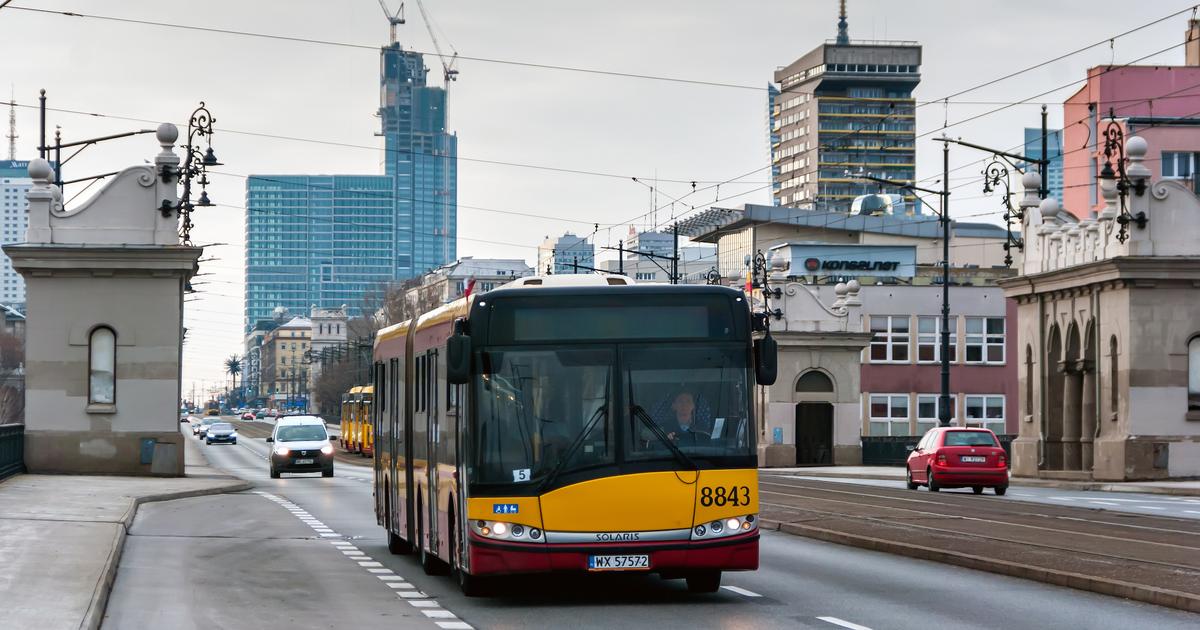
{"x":470,"y":585}
{"x":704,"y":582}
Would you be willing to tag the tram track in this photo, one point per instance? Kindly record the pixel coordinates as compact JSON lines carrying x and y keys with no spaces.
{"x":1149,"y":558}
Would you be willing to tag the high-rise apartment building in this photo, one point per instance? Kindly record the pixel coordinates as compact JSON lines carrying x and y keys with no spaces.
{"x":566,"y":254}
{"x":14,"y":183}
{"x":327,"y":240}
{"x":844,"y":110}
{"x":1054,"y":149}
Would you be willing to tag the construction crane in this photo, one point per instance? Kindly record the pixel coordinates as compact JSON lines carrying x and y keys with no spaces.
{"x":395,"y":18}
{"x":449,"y":73}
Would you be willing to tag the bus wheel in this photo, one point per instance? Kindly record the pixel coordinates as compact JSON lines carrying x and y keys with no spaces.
{"x":470,"y":585}
{"x":398,"y":545}
{"x":704,"y":581}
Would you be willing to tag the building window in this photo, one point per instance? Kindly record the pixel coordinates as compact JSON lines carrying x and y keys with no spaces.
{"x":1194,"y":374}
{"x":1178,"y":165}
{"x":929,"y":412}
{"x":890,"y":344}
{"x":929,"y":340}
{"x":889,"y":414}
{"x":102,"y":366}
{"x":814,"y":381}
{"x":985,"y":340}
{"x":985,"y":412}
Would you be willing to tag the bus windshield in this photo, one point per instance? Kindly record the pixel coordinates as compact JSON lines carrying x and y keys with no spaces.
{"x":547,"y":411}
{"x":697,"y":397}
{"x":542,"y":411}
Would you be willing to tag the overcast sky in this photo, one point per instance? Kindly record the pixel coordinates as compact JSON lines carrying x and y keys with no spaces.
{"x":616,"y":126}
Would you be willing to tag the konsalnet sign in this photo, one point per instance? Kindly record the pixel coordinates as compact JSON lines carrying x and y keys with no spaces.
{"x":814,"y":259}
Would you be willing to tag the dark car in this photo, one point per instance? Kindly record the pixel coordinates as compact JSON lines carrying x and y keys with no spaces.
{"x":221,"y":432}
{"x":300,"y":444}
{"x":957,"y":457}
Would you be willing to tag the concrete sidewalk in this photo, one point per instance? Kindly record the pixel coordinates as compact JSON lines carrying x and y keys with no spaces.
{"x":1177,"y":488}
{"x":62,"y":535}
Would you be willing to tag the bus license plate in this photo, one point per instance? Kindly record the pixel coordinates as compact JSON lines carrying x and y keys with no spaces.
{"x":301,"y":462}
{"x":618,"y":563}
{"x":973,"y":459}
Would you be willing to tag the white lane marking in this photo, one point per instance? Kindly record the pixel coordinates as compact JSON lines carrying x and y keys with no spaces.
{"x":331,"y":535}
{"x":322,"y":530}
{"x":353,"y":553}
{"x":412,"y":595}
{"x":1191,"y":511}
{"x":389,"y":578}
{"x":455,"y":625}
{"x":400,"y":585}
{"x":741,"y":591}
{"x":843,"y":623}
{"x":379,"y":571}
{"x":439,"y":614}
{"x":370,"y":564}
{"x":1105,"y":503}
{"x":1149,"y":507}
{"x":424,"y":603}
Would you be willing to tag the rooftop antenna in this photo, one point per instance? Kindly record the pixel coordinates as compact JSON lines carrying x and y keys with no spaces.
{"x":12,"y":126}
{"x":843,"y":36}
{"x":395,"y":19}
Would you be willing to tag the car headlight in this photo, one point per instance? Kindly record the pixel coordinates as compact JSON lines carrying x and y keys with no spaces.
{"x":327,"y":449}
{"x":721,"y":528}
{"x":281,"y":450}
{"x":499,"y":530}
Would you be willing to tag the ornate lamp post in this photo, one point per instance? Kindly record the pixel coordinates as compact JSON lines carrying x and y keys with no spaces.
{"x":1116,"y":182}
{"x":995,"y":176}
{"x":195,"y":167}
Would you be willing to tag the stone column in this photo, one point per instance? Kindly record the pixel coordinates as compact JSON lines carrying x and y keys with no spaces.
{"x":1072,"y":420}
{"x":1088,"y":413}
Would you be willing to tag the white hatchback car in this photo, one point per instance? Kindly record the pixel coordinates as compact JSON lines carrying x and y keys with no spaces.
{"x":300,"y":444}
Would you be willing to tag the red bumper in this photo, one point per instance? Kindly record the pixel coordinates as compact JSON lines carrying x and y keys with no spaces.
{"x":949,"y":477}
{"x":488,"y":557}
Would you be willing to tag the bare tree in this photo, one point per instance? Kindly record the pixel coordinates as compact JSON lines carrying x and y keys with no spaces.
{"x":12,"y":378}
{"x":334,"y":380}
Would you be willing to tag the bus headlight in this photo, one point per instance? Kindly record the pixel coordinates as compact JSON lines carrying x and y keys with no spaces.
{"x":499,"y":530}
{"x":725,"y":527}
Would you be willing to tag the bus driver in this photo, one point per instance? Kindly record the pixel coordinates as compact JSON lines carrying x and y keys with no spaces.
{"x":683,"y":420}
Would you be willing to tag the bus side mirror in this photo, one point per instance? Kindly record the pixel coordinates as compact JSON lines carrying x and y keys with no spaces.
{"x":766,"y":360}
{"x":458,"y":359}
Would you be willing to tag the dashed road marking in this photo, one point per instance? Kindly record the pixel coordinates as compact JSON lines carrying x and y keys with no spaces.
{"x":843,"y":623}
{"x":403,"y":590}
{"x":741,"y":591}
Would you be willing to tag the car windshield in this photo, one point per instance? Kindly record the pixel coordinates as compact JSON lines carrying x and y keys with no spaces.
{"x":696,"y":397}
{"x":969,"y":438}
{"x":221,"y":426}
{"x":542,"y":412}
{"x":300,"y":433}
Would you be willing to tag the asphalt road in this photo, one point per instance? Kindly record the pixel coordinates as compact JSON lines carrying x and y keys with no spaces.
{"x":1132,"y":502}
{"x":305,"y":552}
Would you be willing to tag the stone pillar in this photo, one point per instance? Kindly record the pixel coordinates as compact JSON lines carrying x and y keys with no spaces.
{"x":1088,"y":414}
{"x":1072,"y":419}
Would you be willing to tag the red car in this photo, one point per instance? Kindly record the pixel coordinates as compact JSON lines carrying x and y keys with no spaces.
{"x":957,"y":457}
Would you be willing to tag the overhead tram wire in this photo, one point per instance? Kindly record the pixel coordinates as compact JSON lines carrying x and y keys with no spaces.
{"x":350,"y":145}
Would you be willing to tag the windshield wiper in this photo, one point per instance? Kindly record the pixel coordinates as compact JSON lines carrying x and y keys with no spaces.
{"x":657,"y":431}
{"x":566,"y":457}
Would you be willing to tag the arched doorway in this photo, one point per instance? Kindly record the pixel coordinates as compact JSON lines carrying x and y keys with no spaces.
{"x":814,"y":419}
{"x":1052,"y":422}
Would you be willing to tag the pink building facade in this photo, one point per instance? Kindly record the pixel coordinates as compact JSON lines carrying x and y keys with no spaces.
{"x":1159,"y":103}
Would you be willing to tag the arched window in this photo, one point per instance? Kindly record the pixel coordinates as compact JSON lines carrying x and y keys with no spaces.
{"x":102,"y":366}
{"x":1028,"y":380}
{"x":1114,"y":393}
{"x":814,"y":381}
{"x":1194,"y":374}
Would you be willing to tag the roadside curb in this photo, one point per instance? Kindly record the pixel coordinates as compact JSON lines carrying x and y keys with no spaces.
{"x":1139,"y":592}
{"x":1028,"y":482}
{"x":94,"y":616}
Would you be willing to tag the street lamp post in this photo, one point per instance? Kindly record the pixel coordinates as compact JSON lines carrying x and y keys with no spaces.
{"x":944,"y":219}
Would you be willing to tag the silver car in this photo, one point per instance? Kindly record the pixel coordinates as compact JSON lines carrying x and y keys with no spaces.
{"x":221,"y":432}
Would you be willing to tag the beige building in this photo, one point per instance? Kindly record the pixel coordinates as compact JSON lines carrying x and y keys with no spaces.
{"x":105,"y":284}
{"x":286,"y":363}
{"x":1109,"y":334}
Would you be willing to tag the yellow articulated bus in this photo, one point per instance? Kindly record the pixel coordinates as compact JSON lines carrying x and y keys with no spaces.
{"x":357,"y":435}
{"x":577,"y":424}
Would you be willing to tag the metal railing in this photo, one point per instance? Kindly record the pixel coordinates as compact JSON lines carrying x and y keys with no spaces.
{"x":12,"y":449}
{"x":894,"y":450}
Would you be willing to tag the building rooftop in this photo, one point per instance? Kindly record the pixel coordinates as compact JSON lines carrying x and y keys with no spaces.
{"x":708,"y":225}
